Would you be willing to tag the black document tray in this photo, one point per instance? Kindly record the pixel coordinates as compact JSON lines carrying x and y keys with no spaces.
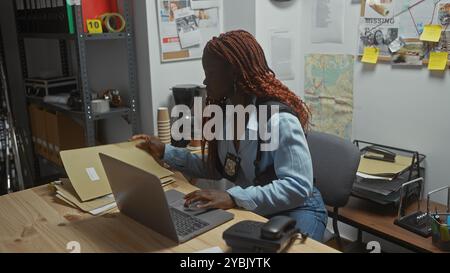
{"x":410,"y":223}
{"x":371,"y":190}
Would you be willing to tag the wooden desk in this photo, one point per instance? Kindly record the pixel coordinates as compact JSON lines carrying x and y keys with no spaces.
{"x":379,"y":221}
{"x":35,"y":221}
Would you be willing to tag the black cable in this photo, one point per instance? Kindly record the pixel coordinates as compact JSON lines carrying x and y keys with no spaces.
{"x":3,"y":132}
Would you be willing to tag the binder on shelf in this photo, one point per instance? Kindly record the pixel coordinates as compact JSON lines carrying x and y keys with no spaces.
{"x":39,"y":19}
{"x":45,"y":16}
{"x":21,"y":12}
{"x":31,"y":16}
{"x":70,"y":21}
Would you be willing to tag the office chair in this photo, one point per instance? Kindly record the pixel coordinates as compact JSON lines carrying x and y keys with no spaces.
{"x":335,"y":163}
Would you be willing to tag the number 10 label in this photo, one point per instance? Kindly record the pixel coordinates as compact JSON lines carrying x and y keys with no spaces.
{"x":94,"y":26}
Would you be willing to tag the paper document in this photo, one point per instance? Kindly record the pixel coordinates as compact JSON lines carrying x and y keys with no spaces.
{"x":205,"y":4}
{"x":187,"y":28}
{"x":368,"y":176}
{"x":410,"y":54}
{"x":327,"y":21}
{"x":396,"y":45}
{"x":67,"y":193}
{"x":281,"y":51}
{"x":384,"y":168}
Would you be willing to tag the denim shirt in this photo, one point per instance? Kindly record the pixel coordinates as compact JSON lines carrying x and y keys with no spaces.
{"x":291,"y":161}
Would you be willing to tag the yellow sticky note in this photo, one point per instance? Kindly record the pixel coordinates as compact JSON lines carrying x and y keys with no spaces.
{"x":94,"y":26}
{"x":370,"y":55}
{"x":438,"y":61}
{"x":431,"y":33}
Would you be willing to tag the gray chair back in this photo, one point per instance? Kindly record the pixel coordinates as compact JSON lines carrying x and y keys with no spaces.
{"x":335,"y":163}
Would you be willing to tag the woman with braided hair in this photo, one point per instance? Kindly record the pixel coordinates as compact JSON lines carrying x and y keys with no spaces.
{"x":270,"y":183}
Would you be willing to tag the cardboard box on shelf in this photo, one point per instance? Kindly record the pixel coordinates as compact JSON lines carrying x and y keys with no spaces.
{"x":51,"y":129}
{"x":32,"y":112}
{"x":70,"y":135}
{"x":54,"y":132}
{"x":41,"y":132}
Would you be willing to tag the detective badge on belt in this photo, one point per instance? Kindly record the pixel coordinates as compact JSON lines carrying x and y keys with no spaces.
{"x":231,"y":167}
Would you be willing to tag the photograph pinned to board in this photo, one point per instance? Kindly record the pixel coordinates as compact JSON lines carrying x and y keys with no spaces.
{"x":444,"y":43}
{"x":281,"y":54}
{"x":185,"y":39}
{"x":411,"y":54}
{"x":396,"y":45}
{"x":187,"y":28}
{"x":327,"y":21}
{"x":378,"y":27}
{"x":381,"y":37}
{"x":208,"y":18}
{"x":168,"y":8}
{"x":205,"y":4}
{"x":444,"y":14}
{"x":380,"y":8}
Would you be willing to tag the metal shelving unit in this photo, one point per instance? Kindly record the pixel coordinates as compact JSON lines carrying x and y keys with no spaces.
{"x":57,"y":36}
{"x":87,"y":117}
{"x":78,"y":115}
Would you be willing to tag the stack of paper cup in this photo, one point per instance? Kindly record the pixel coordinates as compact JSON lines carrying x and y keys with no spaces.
{"x":164,"y":125}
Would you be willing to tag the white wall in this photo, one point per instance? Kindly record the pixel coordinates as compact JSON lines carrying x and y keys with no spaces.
{"x":240,"y":14}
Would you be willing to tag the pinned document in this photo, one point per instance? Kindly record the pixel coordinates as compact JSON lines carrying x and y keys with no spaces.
{"x":431,"y":33}
{"x":438,"y":61}
{"x":396,"y":45}
{"x":370,"y":55}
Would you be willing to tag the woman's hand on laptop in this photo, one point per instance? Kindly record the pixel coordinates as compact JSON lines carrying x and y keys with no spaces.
{"x":210,"y":199}
{"x":151,"y":145}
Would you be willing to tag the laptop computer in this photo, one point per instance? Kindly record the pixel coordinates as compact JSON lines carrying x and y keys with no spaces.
{"x":140,"y":196}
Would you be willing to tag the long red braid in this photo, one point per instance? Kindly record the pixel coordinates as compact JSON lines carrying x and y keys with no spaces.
{"x":241,"y":50}
{"x":247,"y":58}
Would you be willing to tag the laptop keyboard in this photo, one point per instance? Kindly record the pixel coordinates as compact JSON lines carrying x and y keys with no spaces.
{"x":185,"y":224}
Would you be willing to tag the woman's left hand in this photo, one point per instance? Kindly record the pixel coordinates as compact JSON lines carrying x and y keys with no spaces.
{"x":211,"y":199}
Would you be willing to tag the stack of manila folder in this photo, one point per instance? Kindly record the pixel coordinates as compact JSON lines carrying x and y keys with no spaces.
{"x":66,"y":193}
{"x":382,"y":170}
{"x":87,"y":187}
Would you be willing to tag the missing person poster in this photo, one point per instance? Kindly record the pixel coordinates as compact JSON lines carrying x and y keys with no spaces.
{"x":378,"y":27}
